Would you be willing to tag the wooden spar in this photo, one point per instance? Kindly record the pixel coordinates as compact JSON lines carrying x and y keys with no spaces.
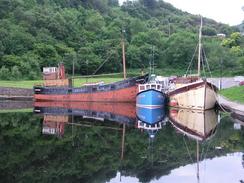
{"x":199,"y":50}
{"x":123,"y":54}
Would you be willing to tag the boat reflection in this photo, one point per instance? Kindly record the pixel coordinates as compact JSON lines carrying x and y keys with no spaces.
{"x":150,"y":115}
{"x":58,"y":114}
{"x":150,"y":119}
{"x":118,"y":112}
{"x":196,"y":124}
{"x":54,"y":124}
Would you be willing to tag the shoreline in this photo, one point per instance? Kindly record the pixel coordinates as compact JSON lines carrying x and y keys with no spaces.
{"x":22,"y":94}
{"x":19,"y":94}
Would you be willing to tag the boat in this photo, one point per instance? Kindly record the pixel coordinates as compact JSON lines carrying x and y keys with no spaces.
{"x":61,"y":90}
{"x":150,"y":94}
{"x":196,"y":124}
{"x":193,"y":92}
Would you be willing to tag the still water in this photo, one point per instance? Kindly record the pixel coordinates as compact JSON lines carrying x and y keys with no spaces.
{"x":98,"y":142}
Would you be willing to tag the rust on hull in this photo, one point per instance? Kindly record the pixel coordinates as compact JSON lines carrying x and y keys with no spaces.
{"x":121,"y":95}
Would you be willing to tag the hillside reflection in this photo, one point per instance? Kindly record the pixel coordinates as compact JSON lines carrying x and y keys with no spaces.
{"x":97,"y":142}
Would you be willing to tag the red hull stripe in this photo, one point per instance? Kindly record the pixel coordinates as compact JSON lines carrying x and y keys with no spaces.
{"x":121,"y":95}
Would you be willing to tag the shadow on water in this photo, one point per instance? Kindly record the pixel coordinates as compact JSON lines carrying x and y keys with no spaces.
{"x":104,"y":142}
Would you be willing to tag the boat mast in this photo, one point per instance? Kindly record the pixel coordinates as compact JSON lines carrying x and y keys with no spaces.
{"x":123,"y":53}
{"x":199,"y":49}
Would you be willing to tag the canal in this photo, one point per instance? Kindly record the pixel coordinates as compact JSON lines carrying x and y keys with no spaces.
{"x":95,"y":142}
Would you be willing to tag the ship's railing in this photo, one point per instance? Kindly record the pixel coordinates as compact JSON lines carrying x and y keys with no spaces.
{"x":146,"y":126}
{"x":148,"y":86}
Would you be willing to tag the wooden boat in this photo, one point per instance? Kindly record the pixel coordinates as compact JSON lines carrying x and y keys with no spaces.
{"x":198,"y":94}
{"x":122,"y":91}
{"x":196,"y":124}
{"x":193,"y":92}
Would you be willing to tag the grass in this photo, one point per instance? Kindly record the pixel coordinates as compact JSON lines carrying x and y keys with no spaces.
{"x":234,"y":93}
{"x":19,"y":84}
{"x":16,"y":110}
{"x":77,"y":82}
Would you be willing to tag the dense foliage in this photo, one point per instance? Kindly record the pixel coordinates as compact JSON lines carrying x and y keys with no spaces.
{"x":38,"y":33}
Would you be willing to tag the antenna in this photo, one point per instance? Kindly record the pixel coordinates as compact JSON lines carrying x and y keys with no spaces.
{"x":151,"y":63}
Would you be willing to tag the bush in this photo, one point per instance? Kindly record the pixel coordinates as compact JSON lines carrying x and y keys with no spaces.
{"x":33,"y":75}
{"x":15,"y":73}
{"x":4,"y":73}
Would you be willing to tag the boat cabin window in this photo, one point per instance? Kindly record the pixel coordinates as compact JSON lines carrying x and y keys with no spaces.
{"x":158,"y":87}
{"x":147,"y":86}
{"x":142,"y":87}
{"x":153,"y":86}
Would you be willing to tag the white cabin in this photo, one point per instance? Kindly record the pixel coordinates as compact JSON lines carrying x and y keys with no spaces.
{"x":47,"y":70}
{"x":158,"y":83}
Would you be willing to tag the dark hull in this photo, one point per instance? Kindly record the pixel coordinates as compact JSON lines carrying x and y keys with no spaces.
{"x":122,"y":91}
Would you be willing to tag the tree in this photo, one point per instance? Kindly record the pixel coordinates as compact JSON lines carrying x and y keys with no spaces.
{"x":179,"y":50}
{"x":234,"y":40}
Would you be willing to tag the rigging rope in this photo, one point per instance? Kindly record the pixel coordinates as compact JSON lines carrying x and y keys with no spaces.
{"x":189,"y":66}
{"x":216,"y":97}
{"x":102,"y":64}
{"x":187,"y":149}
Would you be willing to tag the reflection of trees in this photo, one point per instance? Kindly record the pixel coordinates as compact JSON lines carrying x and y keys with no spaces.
{"x":93,"y":154}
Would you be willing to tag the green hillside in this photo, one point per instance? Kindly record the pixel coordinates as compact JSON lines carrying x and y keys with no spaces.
{"x":38,"y":33}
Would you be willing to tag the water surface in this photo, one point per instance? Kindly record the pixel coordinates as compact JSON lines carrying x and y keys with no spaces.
{"x":109,"y":143}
